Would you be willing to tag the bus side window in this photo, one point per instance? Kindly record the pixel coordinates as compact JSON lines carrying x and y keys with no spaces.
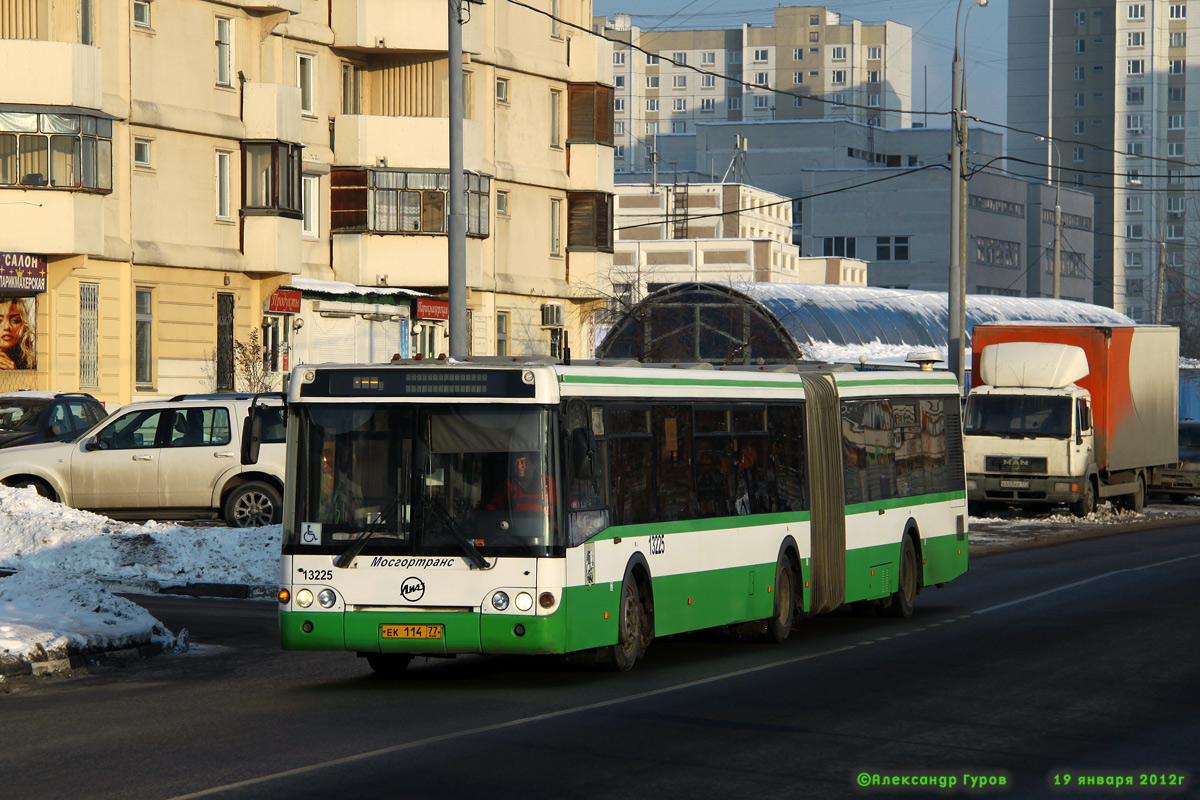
{"x":786,"y":479}
{"x":630,"y":462}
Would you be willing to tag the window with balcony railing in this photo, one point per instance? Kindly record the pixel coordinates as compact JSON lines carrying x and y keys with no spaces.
{"x":590,"y":221}
{"x":55,"y":151}
{"x":271,"y":179}
{"x":589,"y":113}
{"x":368,"y":200}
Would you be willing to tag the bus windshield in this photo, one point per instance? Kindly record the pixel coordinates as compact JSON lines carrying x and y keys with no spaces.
{"x":1018,"y":416}
{"x":451,"y":480}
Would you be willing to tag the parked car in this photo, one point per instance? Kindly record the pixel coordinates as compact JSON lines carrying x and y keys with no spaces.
{"x":1181,"y":479}
{"x":168,"y":458}
{"x":28,"y":417}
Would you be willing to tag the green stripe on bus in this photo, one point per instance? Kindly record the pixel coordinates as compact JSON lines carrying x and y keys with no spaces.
{"x":900,"y":502}
{"x":710,"y":382}
{"x":695,"y":525}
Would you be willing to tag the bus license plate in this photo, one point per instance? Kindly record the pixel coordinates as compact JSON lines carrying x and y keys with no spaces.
{"x":1014,"y":484}
{"x":410,"y":632}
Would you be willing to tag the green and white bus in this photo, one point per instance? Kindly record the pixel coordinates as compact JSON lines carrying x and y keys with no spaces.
{"x":657,"y":500}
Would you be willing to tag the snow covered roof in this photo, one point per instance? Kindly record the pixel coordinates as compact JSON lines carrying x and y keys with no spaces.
{"x":781,"y":322}
{"x":316,"y":286}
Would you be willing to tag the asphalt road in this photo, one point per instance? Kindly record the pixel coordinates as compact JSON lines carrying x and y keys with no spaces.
{"x":1078,"y":660}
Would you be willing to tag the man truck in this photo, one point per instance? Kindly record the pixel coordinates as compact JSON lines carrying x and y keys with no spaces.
{"x":1062,"y":413}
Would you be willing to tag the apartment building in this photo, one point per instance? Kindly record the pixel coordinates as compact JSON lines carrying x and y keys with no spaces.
{"x":810,"y":63}
{"x":1108,"y":83}
{"x":177,"y":176}
{"x":883,"y":196}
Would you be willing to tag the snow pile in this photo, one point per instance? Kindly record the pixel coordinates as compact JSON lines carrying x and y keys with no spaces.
{"x":61,"y":556}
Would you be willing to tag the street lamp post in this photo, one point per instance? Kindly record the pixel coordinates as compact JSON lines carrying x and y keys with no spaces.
{"x":957,"y":284}
{"x":456,"y":266}
{"x":1057,"y":213}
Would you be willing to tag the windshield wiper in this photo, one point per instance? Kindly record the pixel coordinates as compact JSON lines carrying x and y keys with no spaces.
{"x":474,"y":557}
{"x":348,"y":555}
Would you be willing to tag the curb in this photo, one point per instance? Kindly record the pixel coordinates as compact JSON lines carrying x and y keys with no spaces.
{"x":77,"y":658}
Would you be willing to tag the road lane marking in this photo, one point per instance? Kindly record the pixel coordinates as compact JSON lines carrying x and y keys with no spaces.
{"x":499,"y":726}
{"x":1085,"y":581}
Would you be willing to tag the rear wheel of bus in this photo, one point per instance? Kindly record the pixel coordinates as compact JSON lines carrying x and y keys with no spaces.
{"x":905,"y":597}
{"x":780,"y":623}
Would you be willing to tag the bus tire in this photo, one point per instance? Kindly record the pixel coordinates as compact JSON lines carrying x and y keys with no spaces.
{"x":631,"y":626}
{"x":779,"y":625}
{"x":1086,"y":503}
{"x":388,"y":665}
{"x":905,"y":596}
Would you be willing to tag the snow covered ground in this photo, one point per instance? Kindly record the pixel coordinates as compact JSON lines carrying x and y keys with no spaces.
{"x":67,"y":564}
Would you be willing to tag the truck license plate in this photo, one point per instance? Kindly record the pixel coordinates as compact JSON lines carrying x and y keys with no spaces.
{"x":410,"y":631}
{"x":1014,"y":484}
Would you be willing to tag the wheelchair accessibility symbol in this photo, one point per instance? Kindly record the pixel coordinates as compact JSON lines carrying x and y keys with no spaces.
{"x":311,"y":533}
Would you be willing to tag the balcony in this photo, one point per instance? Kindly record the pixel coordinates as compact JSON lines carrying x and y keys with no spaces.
{"x":377,"y":25}
{"x":49,"y":223}
{"x":591,"y":167}
{"x":292,"y":6}
{"x":272,"y":111}
{"x":50,"y":74}
{"x":272,"y":244}
{"x":404,"y":142}
{"x":416,"y":262}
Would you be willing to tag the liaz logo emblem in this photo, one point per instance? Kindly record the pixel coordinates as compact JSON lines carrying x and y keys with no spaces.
{"x":413,"y":589}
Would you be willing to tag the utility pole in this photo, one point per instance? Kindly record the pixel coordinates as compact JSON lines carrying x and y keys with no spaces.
{"x":456,"y":268}
{"x":1057,"y":244}
{"x":1162,"y":273}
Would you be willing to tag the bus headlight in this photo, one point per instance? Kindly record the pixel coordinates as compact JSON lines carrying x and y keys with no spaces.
{"x":304,"y":598}
{"x":326,"y":598}
{"x":500,"y":601}
{"x":523,"y":601}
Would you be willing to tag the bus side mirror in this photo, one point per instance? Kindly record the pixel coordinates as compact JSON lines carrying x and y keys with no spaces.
{"x":252,"y":439}
{"x":582,"y":447}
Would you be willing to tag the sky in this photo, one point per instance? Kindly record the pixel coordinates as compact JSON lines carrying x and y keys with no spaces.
{"x":932,"y":22}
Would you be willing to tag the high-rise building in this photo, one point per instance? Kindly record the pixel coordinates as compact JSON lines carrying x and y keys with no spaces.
{"x":1107,"y":84}
{"x":177,"y":176}
{"x":665,"y":82}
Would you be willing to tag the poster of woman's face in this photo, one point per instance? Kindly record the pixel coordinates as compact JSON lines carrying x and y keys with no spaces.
{"x":18,"y":342}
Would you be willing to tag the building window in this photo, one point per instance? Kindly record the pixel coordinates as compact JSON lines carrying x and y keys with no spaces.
{"x":1176,"y":66}
{"x":501,"y":333}
{"x":1133,"y":204}
{"x":708,"y":81}
{"x":891,"y":248}
{"x":1134,"y":176}
{"x":680,"y":59}
{"x":1175,"y":122}
{"x":797,"y":102}
{"x":708,"y":104}
{"x":1080,"y":18}
{"x":142,"y":153}
{"x":1134,"y":149}
{"x":840,"y":246}
{"x":761,"y":102}
{"x":679,"y":104}
{"x":733,"y":56}
{"x":651,"y":81}
{"x":679,"y":82}
{"x":1178,"y":11}
{"x":1080,"y":45}
{"x":1175,"y":149}
{"x":1133,"y":231}
{"x":1077,"y":153}
{"x":708,"y":57}
{"x":555,"y":118}
{"x":618,"y":58}
{"x":310,"y":227}
{"x":1175,"y":205}
{"x":651,"y":59}
{"x":735,"y":104}
{"x":141,"y":13}
{"x":1178,"y":39}
{"x":1137,"y":11}
{"x":1176,"y":94}
{"x":813,"y":36}
{"x":873,"y":76}
{"x":402,"y":201}
{"x":143,"y":344}
{"x":619,"y":104}
{"x":1133,"y":123}
{"x":1135,"y":95}
{"x":837,"y":98}
{"x":555,"y":17}
{"x":590,"y":221}
{"x":838,"y":76}
{"x":874,"y":53}
{"x":224,"y":51}
{"x":1078,"y":99}
{"x":556,"y":227}
{"x":1133,"y":259}
{"x":1079,"y":73}
{"x":1175,"y":177}
{"x":760,"y":55}
{"x":762,"y":79}
{"x":797,"y":78}
{"x":997,"y":252}
{"x":1077,"y":126}
{"x":306,"y":80}
{"x":619,"y":128}
{"x":838,"y":53}
{"x":652,"y":127}
{"x":224,"y":212}
{"x":62,"y":151}
{"x":501,"y":203}
{"x":798,"y":54}
{"x":271,"y":178}
{"x":1175,"y":231}
{"x":1136,"y":66}
{"x":502,"y":89}
{"x":224,"y":359}
{"x":352,"y":88}
{"x":652,"y":105}
{"x":1136,"y":39}
{"x":679,"y":127}
{"x":89,"y":335}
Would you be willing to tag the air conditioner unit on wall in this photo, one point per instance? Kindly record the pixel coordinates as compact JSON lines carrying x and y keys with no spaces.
{"x":552,"y":315}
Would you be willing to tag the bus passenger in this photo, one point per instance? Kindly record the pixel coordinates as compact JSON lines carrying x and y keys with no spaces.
{"x":525,"y":489}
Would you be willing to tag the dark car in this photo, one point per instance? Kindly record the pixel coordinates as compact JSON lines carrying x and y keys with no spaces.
{"x":37,"y":417}
{"x":1182,"y":478}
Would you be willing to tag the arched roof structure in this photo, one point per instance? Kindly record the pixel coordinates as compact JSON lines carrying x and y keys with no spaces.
{"x":787,"y":322}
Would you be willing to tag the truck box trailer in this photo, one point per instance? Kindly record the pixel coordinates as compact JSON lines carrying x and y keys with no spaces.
{"x":1063,"y":413}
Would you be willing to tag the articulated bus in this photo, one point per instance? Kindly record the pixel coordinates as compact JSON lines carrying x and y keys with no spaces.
{"x":435,"y":508}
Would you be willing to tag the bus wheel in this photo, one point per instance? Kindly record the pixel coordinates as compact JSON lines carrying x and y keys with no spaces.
{"x":906,"y":595}
{"x":630,"y":628}
{"x":388,"y":665}
{"x":780,"y":623}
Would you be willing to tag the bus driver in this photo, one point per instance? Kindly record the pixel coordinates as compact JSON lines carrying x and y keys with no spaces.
{"x":526,"y":489}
